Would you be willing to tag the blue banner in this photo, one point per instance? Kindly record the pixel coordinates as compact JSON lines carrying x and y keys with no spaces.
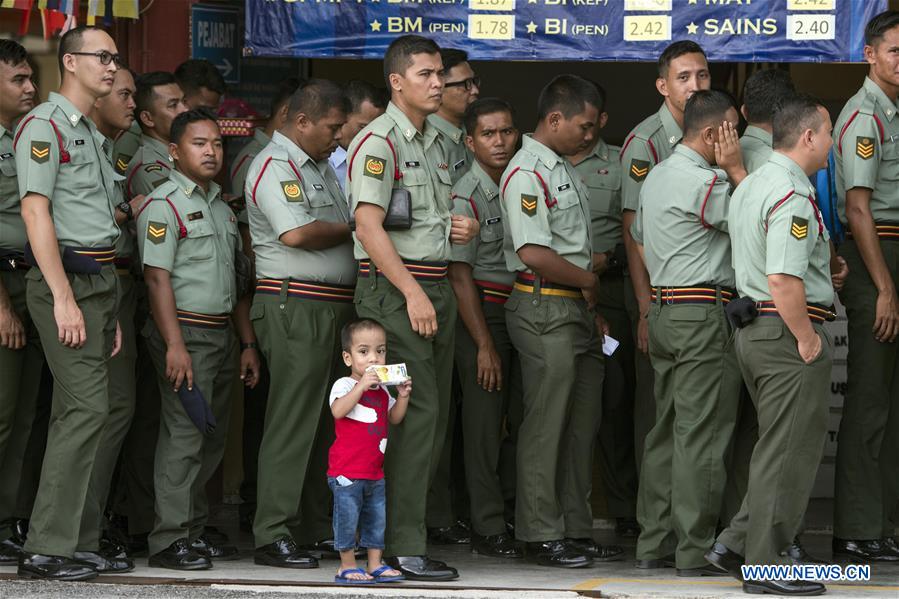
{"x":626,"y":30}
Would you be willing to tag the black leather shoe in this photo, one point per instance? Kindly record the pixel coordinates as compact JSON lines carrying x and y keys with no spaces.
{"x":204,"y":546}
{"x":104,"y":564}
{"x":599,"y":553}
{"x":284,"y":553}
{"x":9,"y":553}
{"x":655,"y":564}
{"x":215,"y":536}
{"x":891,"y":547}
{"x":707,"y":570}
{"x":321,"y":549}
{"x":457,"y":534}
{"x":138,"y":545}
{"x":557,"y":554}
{"x":862,"y":551}
{"x":802,"y":588}
{"x":799,"y":556}
{"x":627,"y":528}
{"x":725,"y":559}
{"x":180,"y":556}
{"x":54,"y":567}
{"x":421,"y":567}
{"x":501,"y":545}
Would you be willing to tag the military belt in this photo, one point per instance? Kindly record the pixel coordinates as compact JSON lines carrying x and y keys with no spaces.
{"x":306,"y":289}
{"x":79,"y":260}
{"x":816,"y":312}
{"x":203,"y":321}
{"x":494,"y":293}
{"x":420,"y":270}
{"x":696,"y":294}
{"x":530,"y":283}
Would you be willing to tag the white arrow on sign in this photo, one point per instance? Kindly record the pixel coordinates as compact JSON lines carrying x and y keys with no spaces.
{"x":225,"y":68}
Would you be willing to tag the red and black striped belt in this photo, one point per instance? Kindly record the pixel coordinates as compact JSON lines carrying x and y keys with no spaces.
{"x":885,"y":230}
{"x":495,"y":293}
{"x":203,"y":321}
{"x":421,"y":271}
{"x":696,"y":294}
{"x":527,"y":282}
{"x":306,"y":289}
{"x":816,"y":312}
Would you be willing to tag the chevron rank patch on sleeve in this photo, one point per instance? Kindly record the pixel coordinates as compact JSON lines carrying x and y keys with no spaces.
{"x":864,"y":147}
{"x":639,"y":169}
{"x":156,"y":231}
{"x":121,"y":164}
{"x":529,"y":204}
{"x":799,"y":228}
{"x":40,"y":151}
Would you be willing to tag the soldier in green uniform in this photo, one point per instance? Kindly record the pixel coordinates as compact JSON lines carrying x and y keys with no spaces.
{"x":553,"y":325}
{"x":202,"y":83}
{"x":866,"y":149}
{"x":485,"y":359}
{"x":187,"y":235}
{"x":64,"y":162}
{"x":367,"y":103}
{"x":683,"y":70}
{"x":306,"y":279}
{"x":402,"y":282}
{"x":762,"y":93}
{"x":781,"y":257}
{"x":21,"y":358}
{"x":682,"y":226}
{"x":461,"y":88}
{"x":599,"y":165}
{"x":126,"y":145}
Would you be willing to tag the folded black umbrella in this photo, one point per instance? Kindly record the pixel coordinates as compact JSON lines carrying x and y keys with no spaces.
{"x":197,"y":409}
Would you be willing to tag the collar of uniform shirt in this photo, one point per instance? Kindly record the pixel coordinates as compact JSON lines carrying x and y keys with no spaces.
{"x":759,"y":134}
{"x":546,"y":155}
{"x":294,"y":152}
{"x":159,"y":148}
{"x":800,"y":179}
{"x":490,"y":189}
{"x":692,"y":155}
{"x":888,"y":106}
{"x":73,"y":114}
{"x":672,"y":129}
{"x":428,"y":133}
{"x":447,"y":128}
{"x":189,"y":186}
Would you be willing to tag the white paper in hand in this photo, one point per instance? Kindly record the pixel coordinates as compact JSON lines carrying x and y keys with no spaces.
{"x":609,"y":345}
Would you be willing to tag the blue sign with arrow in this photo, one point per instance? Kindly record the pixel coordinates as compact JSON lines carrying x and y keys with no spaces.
{"x":215,"y":34}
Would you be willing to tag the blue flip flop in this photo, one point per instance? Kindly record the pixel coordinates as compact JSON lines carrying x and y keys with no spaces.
{"x":341,"y":577}
{"x":379,"y":575}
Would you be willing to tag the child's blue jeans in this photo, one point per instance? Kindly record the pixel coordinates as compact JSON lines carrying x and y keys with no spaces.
{"x":361,"y":505}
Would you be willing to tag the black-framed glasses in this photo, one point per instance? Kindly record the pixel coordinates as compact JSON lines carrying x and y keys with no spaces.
{"x":104,"y":56}
{"x":466,"y":83}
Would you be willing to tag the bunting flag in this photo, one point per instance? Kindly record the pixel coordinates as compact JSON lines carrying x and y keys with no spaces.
{"x":53,"y":22}
{"x":107,"y":9}
{"x":69,"y":7}
{"x":20,"y":4}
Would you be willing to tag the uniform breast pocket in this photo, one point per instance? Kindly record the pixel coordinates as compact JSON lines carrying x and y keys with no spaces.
{"x":8,"y":167}
{"x":83,"y":168}
{"x":319,"y":200}
{"x":491,"y":230}
{"x":200,"y":242}
{"x":605,"y":193}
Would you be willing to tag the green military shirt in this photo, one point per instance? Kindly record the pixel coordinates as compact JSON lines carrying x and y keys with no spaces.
{"x":201,"y":262}
{"x":285,"y":190}
{"x":73,"y":170}
{"x":477,"y":196}
{"x":125,"y":147}
{"x":601,"y":172}
{"x":149,"y":168}
{"x":776,"y":228}
{"x":756,"y":145}
{"x":682,"y":222}
{"x":422,"y":169}
{"x":12,"y":228}
{"x":866,"y":151}
{"x":242,"y":165}
{"x":452,"y":140}
{"x":555,"y":215}
{"x":651,"y":142}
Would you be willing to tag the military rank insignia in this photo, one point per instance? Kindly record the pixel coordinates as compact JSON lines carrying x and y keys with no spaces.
{"x":292,"y":190}
{"x":799,"y":228}
{"x":864,"y":147}
{"x":156,"y":231}
{"x":40,"y":151}
{"x":529,"y":204}
{"x":639,"y":169}
{"x":121,"y":164}
{"x":374,"y":167}
{"x":152,"y":167}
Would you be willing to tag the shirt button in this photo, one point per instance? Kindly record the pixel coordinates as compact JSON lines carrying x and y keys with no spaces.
{"x":281,"y":306}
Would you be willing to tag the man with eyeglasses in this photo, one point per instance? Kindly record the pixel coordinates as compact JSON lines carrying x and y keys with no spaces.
{"x":64,"y":161}
{"x":461,"y":88}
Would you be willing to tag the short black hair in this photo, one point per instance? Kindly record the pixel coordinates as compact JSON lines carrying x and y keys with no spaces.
{"x":706,"y":108}
{"x":399,"y":54}
{"x":198,"y":72}
{"x":146,"y":85}
{"x":602,"y":94}
{"x":72,"y":41}
{"x":282,"y":96}
{"x":483,"y":106}
{"x":316,"y":97}
{"x":358,"y":92}
{"x":568,"y":94}
{"x":795,"y":114}
{"x":676,"y":50}
{"x":195,"y":115}
{"x":357,"y":324}
{"x":12,"y":52}
{"x":879,"y":25}
{"x":452,"y":57}
{"x":763,"y":91}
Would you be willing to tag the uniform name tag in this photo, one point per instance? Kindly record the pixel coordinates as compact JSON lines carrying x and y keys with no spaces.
{"x":563,"y":187}
{"x":413,"y":164}
{"x":459,"y":165}
{"x":195,"y":215}
{"x":493,"y":221}
{"x":79,"y":142}
{"x":318,"y":187}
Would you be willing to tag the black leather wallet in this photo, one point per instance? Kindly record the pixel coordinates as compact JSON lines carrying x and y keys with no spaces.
{"x":399,"y":212}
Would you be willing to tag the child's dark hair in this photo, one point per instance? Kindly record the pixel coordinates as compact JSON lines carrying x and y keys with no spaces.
{"x":357,"y":324}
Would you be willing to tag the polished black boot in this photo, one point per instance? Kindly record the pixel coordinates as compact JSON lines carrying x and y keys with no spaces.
{"x":54,"y":567}
{"x":180,"y":556}
{"x":557,"y":554}
{"x":284,"y":553}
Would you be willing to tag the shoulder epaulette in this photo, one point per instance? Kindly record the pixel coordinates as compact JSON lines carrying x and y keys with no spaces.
{"x":380,"y":127}
{"x":865,"y":108}
{"x":465,"y":187}
{"x":162,"y":193}
{"x":44,"y":112}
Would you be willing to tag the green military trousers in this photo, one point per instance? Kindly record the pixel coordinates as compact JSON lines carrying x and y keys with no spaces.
{"x":746,"y":434}
{"x":562,"y":372}
{"x":644,"y":394}
{"x":300,"y":339}
{"x":20,"y":373}
{"x":867,"y":467}
{"x":791,"y":399}
{"x":697,"y":386}
{"x":414,"y":446}
{"x":616,"y":455}
{"x":186,"y":458}
{"x":80,"y":407}
{"x":485,"y":420}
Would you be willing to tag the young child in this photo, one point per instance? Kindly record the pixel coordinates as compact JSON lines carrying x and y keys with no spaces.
{"x":362,"y":407}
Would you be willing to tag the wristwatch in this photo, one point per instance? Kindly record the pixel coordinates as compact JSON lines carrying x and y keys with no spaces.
{"x":125,"y":207}
{"x":250,"y":345}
